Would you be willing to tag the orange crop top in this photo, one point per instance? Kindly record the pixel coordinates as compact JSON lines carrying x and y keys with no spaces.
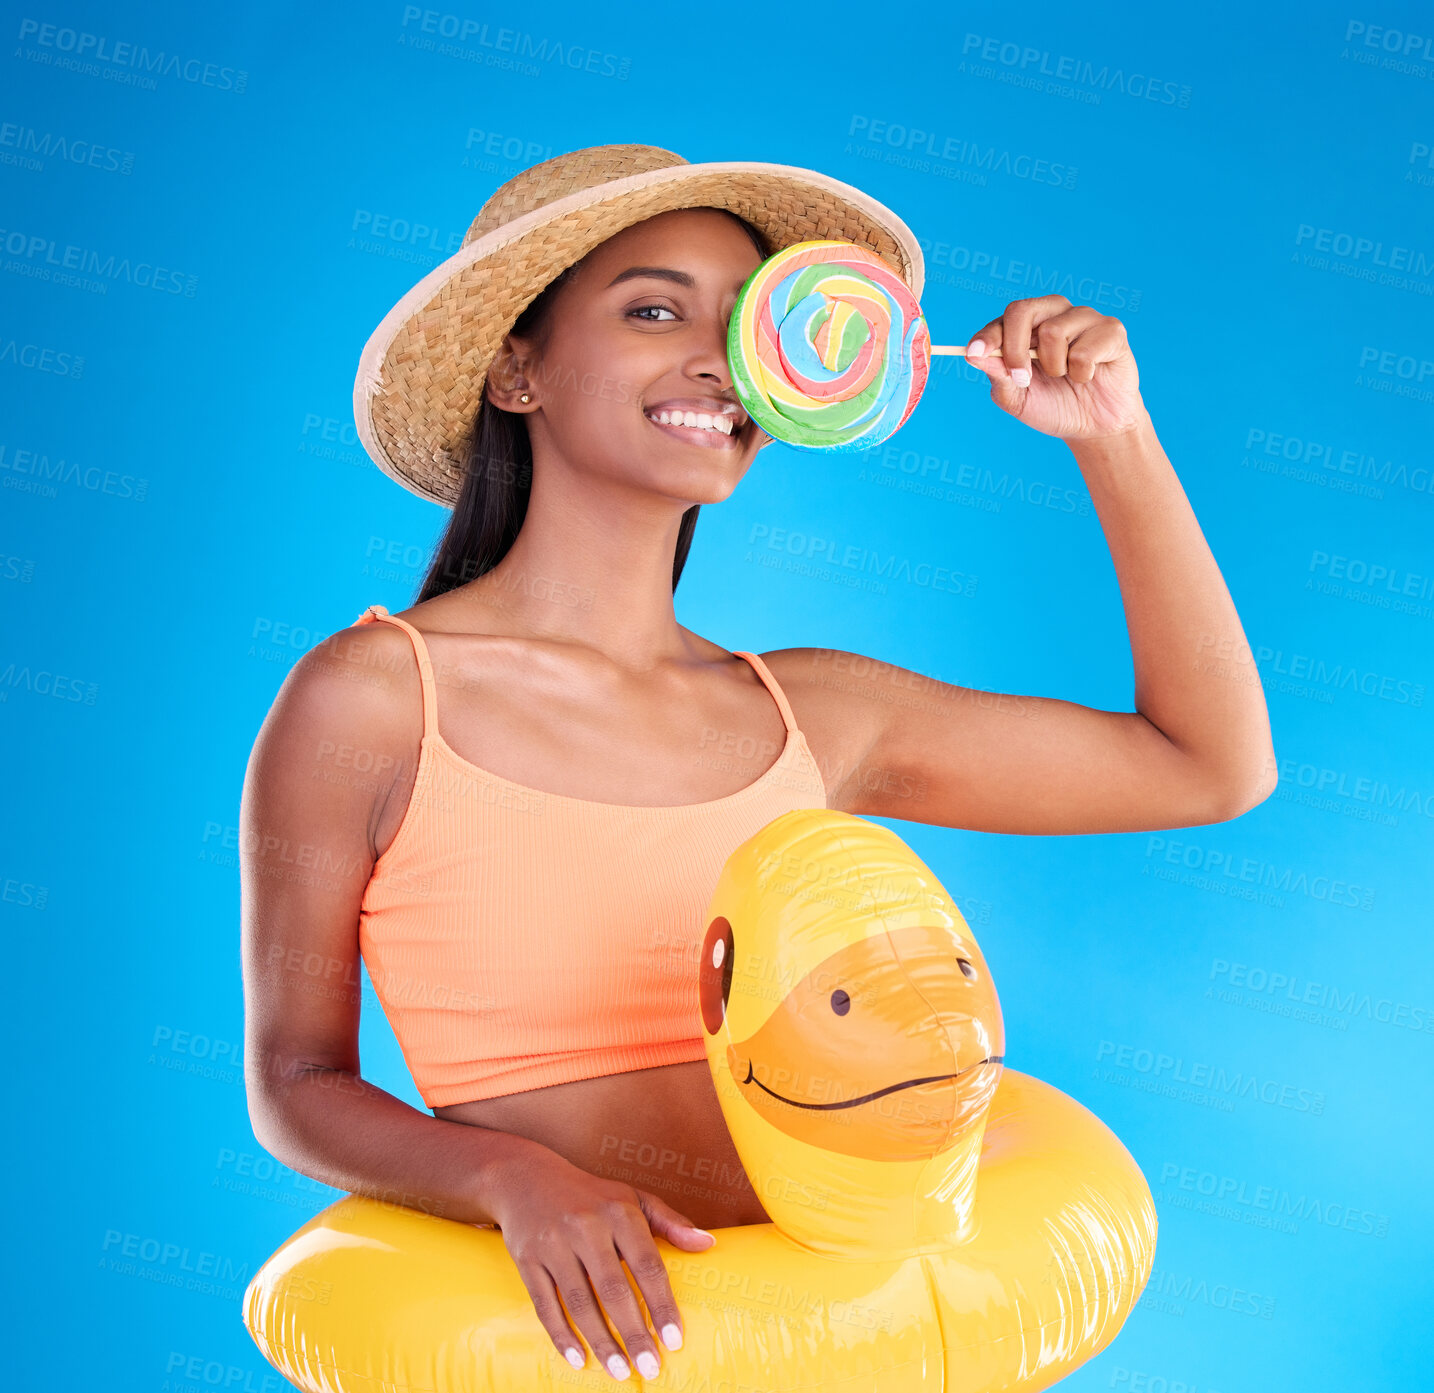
{"x":518,"y":939}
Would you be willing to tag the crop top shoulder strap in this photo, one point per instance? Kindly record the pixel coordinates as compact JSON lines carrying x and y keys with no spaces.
{"x":430,"y":697}
{"x":425,"y":664}
{"x":770,"y":682}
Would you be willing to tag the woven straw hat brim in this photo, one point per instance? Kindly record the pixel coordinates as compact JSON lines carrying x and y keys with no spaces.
{"x":421,"y":373}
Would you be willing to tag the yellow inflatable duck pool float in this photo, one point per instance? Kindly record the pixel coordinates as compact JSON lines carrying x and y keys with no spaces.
{"x":938,"y":1221}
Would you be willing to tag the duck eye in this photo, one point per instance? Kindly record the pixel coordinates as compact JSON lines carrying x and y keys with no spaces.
{"x":714,"y":976}
{"x":966,"y":967}
{"x":841,"y":1002}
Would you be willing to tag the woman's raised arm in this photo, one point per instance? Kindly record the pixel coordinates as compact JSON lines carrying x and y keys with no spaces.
{"x":1197,"y":748}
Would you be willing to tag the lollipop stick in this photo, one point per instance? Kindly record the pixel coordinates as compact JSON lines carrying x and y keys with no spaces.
{"x":960,"y":351}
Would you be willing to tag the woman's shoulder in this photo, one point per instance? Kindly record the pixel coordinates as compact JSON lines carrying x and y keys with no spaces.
{"x":359,"y":688}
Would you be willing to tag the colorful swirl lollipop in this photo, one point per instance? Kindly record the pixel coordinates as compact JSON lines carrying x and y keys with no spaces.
{"x":828,"y":348}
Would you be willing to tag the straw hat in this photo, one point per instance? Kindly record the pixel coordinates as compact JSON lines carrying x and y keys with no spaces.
{"x":420,"y":378}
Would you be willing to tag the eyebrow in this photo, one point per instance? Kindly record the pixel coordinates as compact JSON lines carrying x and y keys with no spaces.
{"x":662,"y":273}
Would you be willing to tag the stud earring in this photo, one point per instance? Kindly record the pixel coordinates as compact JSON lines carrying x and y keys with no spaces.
{"x":525,"y":397}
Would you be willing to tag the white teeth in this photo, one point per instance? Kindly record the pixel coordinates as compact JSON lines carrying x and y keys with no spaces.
{"x":695,"y":420}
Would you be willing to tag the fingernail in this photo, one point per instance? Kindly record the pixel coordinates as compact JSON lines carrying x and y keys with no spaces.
{"x":617,"y":1367}
{"x":671,"y":1336}
{"x":1021,"y":377}
{"x":702,"y":1232}
{"x":575,"y":1358}
{"x":647,"y":1364}
{"x":977,"y":349}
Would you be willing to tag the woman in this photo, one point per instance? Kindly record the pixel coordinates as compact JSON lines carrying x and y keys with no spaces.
{"x":518,"y":793}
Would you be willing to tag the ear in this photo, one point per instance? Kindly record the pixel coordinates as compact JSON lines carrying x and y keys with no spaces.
{"x":509,"y":378}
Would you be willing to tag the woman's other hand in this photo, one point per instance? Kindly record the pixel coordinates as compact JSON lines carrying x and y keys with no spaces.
{"x":569,"y":1232}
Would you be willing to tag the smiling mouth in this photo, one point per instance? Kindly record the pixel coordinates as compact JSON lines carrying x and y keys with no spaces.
{"x":703,"y":436}
{"x":880,"y":1092}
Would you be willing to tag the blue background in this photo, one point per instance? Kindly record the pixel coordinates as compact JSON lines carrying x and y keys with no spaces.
{"x":214,"y":517}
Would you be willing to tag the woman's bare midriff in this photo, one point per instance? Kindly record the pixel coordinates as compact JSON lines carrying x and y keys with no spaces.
{"x":658,"y":1129}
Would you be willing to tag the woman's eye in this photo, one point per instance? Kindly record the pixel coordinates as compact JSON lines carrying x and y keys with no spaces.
{"x":638,"y":310}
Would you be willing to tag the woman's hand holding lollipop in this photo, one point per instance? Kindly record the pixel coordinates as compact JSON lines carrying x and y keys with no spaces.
{"x":1085,"y":384}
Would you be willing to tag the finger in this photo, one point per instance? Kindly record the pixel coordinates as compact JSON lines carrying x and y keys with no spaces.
{"x":644,"y":1261}
{"x":1101,"y":343}
{"x":983,"y":346}
{"x":579,"y":1295}
{"x":638,"y":1250}
{"x":676,"y":1228}
{"x":544,"y":1293}
{"x":1020,"y":319}
{"x":619,"y":1301}
{"x":1054,"y":335}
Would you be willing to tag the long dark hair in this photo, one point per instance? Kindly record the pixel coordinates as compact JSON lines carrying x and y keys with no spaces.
{"x":498,"y":471}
